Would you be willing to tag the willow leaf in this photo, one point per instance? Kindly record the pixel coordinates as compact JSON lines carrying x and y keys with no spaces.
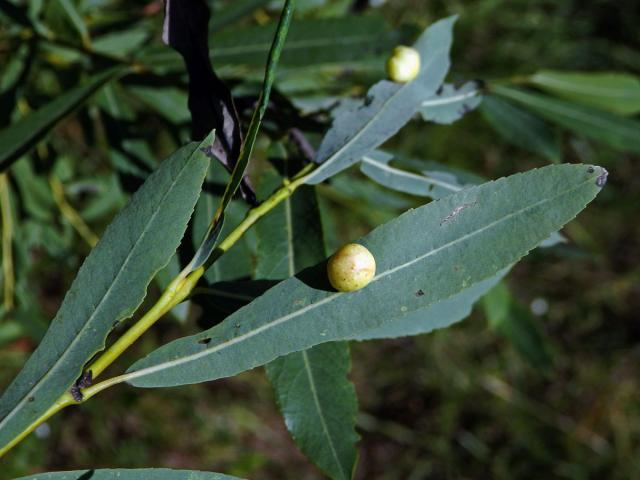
{"x":76,"y":20}
{"x":387,"y":107}
{"x":451,"y":103}
{"x":430,"y":184}
{"x":618,"y":132}
{"x":19,"y":138}
{"x":506,"y":316}
{"x":521,"y":128}
{"x":238,"y":171}
{"x":319,"y":405}
{"x":439,"y":249}
{"x":613,"y":91}
{"x":353,"y":40}
{"x":133,"y":474}
{"x":439,"y":315}
{"x":109,"y":287}
{"x":315,"y":397}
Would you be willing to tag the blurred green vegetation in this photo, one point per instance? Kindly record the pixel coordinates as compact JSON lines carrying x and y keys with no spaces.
{"x":458,"y":403}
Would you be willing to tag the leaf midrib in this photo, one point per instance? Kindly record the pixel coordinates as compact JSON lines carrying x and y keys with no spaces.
{"x":210,"y":351}
{"x":60,"y":359}
{"x":452,"y":99}
{"x":413,"y":176}
{"x":316,"y":401}
{"x":304,"y":353}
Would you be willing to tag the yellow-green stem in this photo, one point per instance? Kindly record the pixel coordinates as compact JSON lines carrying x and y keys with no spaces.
{"x":70,"y":213}
{"x":7,"y":238}
{"x":176,"y":292}
{"x":160,"y":307}
{"x":256,"y":213}
{"x":64,"y":401}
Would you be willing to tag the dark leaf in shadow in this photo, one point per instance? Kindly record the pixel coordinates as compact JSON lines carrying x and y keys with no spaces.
{"x":210,"y":101}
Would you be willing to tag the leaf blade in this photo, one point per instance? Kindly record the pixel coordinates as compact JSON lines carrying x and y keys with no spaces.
{"x":19,"y":138}
{"x":451,"y":103}
{"x":376,"y":166}
{"x":302,"y":311}
{"x":613,"y":91}
{"x":108,"y":288}
{"x":616,"y":131}
{"x":319,"y":405}
{"x":521,"y":128}
{"x":439,"y":315}
{"x":387,"y":107}
{"x":130,"y":474}
{"x":315,"y":397}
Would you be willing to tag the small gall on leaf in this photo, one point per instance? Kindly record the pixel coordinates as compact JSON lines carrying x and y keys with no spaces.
{"x":404,"y":64}
{"x":351,"y":268}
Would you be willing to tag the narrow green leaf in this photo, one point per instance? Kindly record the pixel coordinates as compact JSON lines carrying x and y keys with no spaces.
{"x":451,"y":103}
{"x":238,"y":172}
{"x":439,"y":249}
{"x":109,"y":287}
{"x":122,"y":43}
{"x":612,"y":91}
{"x":133,"y":474}
{"x":520,"y":128}
{"x":616,"y":131}
{"x":76,"y":20}
{"x":237,"y":262}
{"x":113,"y":101}
{"x":434,"y":184}
{"x":169,"y":102}
{"x":439,"y":315}
{"x":387,"y":107}
{"x":289,"y":239}
{"x":315,"y":397}
{"x":319,"y":405}
{"x":349,"y":40}
{"x":35,"y":193}
{"x":19,"y":138}
{"x":517,"y":325}
{"x":234,"y":12}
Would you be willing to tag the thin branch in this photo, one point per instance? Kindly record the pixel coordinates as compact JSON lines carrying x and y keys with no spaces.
{"x":7,"y":239}
{"x":70,"y":213}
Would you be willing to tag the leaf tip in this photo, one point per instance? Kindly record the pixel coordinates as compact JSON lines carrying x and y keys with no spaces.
{"x":601,"y":175}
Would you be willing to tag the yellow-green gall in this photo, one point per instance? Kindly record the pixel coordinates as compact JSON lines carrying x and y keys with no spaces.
{"x":404,"y":64}
{"x":351,"y":268}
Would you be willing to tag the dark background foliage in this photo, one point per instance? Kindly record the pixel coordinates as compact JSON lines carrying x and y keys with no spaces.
{"x":458,"y":403}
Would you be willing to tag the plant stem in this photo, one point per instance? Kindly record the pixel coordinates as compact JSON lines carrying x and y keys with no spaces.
{"x":70,"y":213}
{"x":184,"y":283}
{"x":179,"y":289}
{"x":204,"y":252}
{"x":166,"y":301}
{"x":64,"y":401}
{"x":7,"y":237}
{"x":261,"y":210}
{"x":263,"y":103}
{"x":176,"y":292}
